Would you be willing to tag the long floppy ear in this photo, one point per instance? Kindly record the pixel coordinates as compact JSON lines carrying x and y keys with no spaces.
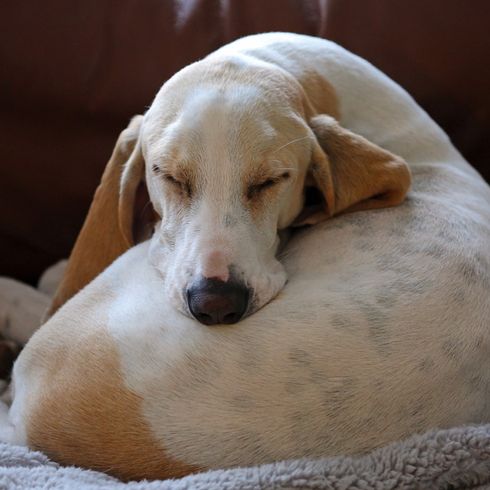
{"x":108,"y":230}
{"x":349,"y":173}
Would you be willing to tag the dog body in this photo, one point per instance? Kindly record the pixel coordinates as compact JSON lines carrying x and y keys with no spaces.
{"x":381,"y":330}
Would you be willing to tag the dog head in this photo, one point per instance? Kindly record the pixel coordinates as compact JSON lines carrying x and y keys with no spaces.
{"x":230,"y":153}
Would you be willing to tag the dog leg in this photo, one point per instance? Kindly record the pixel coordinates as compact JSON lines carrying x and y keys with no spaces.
{"x":51,"y":278}
{"x":21,"y":310}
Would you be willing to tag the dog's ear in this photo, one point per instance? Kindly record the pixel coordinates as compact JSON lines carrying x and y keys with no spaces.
{"x":114,"y":221}
{"x":349,"y":173}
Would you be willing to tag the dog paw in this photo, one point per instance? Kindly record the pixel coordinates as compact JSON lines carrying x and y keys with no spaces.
{"x":21,"y":309}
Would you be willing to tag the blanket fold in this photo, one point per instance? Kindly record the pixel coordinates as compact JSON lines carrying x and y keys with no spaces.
{"x":443,"y":459}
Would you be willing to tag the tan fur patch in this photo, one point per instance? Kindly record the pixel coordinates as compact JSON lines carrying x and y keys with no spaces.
{"x":352,"y":173}
{"x":321,"y":95}
{"x":85,"y":416}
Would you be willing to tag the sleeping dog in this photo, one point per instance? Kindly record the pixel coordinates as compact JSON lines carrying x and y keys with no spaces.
{"x":226,"y":151}
{"x":360,"y":347}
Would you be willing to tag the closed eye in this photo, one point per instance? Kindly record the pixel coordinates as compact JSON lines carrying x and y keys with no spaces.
{"x":255,"y":189}
{"x":184,"y":187}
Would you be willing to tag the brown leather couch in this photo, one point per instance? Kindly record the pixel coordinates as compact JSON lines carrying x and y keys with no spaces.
{"x":72,"y":73}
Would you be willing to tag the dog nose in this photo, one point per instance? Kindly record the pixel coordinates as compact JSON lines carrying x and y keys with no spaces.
{"x":212,"y":301}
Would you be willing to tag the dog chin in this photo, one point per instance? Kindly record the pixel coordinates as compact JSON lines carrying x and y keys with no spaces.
{"x":264,"y":288}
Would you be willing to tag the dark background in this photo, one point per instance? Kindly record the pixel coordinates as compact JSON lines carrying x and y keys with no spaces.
{"x":72,"y":73}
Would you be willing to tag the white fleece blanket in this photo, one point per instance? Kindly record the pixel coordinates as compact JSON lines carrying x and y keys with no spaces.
{"x":446,"y":459}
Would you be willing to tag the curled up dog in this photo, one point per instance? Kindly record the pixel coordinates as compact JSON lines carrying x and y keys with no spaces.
{"x":228,"y":151}
{"x":179,"y":340}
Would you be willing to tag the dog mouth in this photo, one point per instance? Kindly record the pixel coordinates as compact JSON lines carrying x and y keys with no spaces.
{"x":213,"y":301}
{"x":255,"y":304}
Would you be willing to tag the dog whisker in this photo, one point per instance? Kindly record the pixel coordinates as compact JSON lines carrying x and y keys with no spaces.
{"x":293,"y":141}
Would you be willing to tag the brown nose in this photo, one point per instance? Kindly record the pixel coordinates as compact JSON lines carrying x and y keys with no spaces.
{"x":212,"y":301}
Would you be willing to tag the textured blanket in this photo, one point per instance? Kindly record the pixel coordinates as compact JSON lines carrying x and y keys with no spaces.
{"x":446,"y":459}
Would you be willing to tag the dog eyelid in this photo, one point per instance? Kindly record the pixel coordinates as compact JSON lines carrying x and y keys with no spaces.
{"x":172,"y":179}
{"x":255,"y":189}
{"x":183,"y":186}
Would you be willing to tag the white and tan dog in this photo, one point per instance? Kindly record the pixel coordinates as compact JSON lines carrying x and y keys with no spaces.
{"x":380,"y":331}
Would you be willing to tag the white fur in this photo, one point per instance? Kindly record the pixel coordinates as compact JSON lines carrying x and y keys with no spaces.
{"x":381,"y":331}
{"x":217,"y":132}
{"x":239,"y":124}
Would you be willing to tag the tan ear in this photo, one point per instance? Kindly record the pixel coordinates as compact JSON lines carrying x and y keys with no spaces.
{"x":351,"y":173}
{"x":107,"y":231}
